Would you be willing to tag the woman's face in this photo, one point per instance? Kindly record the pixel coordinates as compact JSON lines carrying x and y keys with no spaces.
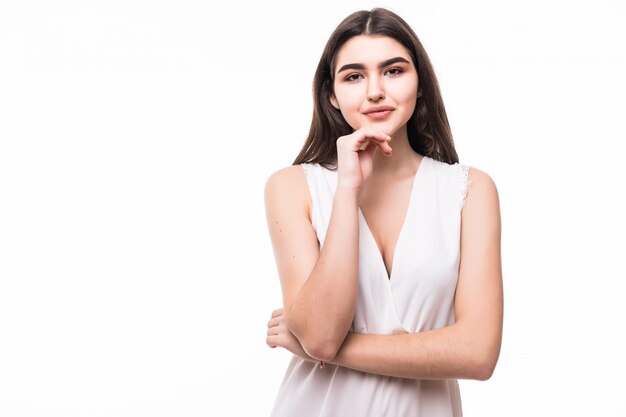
{"x":375,"y":83}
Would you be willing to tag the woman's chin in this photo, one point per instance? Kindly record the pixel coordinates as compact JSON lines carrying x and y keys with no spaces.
{"x":381,"y":127}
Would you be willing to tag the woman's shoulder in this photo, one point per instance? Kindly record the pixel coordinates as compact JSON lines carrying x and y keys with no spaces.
{"x":465,"y":170}
{"x":301,"y":176}
{"x":478,"y":187}
{"x":470,"y":179}
{"x":286,"y":178}
{"x":286,"y":191}
{"x":288,"y":186}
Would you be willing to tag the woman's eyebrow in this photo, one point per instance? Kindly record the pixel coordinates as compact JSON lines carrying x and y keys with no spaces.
{"x":381,"y":65}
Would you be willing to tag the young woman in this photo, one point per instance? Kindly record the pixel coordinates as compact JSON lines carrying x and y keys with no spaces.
{"x":389,"y":264}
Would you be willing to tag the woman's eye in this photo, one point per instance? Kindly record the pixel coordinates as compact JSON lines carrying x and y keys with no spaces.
{"x":353,"y":77}
{"x":394,"y":71}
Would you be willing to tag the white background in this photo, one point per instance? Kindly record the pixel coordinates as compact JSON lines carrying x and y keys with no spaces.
{"x":136,"y":271}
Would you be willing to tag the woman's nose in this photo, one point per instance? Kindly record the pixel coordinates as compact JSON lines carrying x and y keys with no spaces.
{"x":375,"y":91}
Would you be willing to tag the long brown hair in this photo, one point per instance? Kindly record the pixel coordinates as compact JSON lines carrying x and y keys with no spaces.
{"x":428,"y":128}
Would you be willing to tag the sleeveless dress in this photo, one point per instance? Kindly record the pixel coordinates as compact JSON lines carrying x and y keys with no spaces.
{"x":419,"y":296}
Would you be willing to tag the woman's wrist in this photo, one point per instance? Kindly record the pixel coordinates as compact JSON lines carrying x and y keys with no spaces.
{"x":346,"y":194}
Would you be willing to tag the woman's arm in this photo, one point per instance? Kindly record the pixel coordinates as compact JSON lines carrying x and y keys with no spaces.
{"x":469,"y":348}
{"x":319,"y":288}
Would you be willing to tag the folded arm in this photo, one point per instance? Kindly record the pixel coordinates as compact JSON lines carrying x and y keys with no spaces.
{"x":469,"y":348}
{"x":319,"y":287}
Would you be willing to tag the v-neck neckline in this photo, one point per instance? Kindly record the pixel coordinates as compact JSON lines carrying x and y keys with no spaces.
{"x":379,"y":255}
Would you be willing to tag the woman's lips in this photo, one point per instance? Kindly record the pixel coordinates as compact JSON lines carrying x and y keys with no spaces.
{"x":378,"y":113}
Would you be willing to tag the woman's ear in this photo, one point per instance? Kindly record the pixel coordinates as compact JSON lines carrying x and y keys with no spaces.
{"x":333,"y":101}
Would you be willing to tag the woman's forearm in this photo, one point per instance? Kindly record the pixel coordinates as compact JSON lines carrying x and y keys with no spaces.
{"x":448,"y":353}
{"x":322,"y":312}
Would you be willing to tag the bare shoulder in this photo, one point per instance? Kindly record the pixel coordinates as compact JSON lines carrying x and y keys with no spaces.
{"x":481,"y":190}
{"x":291,"y":176}
{"x":287,"y":187}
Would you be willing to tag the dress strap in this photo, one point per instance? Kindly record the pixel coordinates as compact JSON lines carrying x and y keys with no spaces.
{"x":464,"y":182}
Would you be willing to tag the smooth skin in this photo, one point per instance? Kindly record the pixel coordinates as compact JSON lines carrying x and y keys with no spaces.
{"x":320,"y":287}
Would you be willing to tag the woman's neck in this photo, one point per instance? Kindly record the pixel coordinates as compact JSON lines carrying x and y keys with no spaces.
{"x":402,"y":162}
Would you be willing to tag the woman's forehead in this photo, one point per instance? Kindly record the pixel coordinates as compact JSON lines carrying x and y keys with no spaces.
{"x":370,"y":50}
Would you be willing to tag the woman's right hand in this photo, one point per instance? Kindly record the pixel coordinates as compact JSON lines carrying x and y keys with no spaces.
{"x":355,"y":155}
{"x":278,"y":335}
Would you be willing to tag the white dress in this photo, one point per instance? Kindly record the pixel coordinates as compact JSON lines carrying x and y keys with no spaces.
{"x":418,"y":296}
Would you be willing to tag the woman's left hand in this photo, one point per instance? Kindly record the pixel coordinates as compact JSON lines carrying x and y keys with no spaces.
{"x":279,"y":335}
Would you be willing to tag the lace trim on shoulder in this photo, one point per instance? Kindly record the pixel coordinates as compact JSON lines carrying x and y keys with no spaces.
{"x":308,"y":175}
{"x":465,"y":183}
{"x":305,"y":168}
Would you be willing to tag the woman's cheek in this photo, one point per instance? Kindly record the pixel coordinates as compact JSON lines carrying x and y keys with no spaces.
{"x":351,"y":120}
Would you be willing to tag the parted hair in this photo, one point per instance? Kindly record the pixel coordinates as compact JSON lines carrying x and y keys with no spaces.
{"x":428,"y":128}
